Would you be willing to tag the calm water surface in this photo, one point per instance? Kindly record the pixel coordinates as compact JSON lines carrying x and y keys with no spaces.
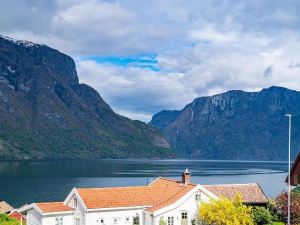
{"x":27,"y":181}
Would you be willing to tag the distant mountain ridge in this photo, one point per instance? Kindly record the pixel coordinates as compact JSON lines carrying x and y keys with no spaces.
{"x":46,"y":113}
{"x":234,"y":125}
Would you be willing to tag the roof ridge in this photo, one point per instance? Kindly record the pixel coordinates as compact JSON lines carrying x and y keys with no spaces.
{"x":230,"y":184}
{"x":47,"y":202}
{"x":121,"y":187}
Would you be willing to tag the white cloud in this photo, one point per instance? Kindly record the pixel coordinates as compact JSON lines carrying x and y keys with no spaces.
{"x":202,"y":47}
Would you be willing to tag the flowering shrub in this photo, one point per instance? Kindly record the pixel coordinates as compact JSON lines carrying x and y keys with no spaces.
{"x":282,"y":205}
{"x":226,"y":212}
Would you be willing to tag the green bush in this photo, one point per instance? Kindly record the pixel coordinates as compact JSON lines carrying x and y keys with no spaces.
{"x":262,"y":216}
{"x":5,"y":220}
{"x":162,"y":222}
{"x":275,"y":212}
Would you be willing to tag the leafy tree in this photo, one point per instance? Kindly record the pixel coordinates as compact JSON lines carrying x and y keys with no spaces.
{"x":262,"y":216}
{"x":226,"y":212}
{"x":162,"y":222}
{"x":5,"y":220}
{"x":282,"y":205}
{"x":275,"y":212}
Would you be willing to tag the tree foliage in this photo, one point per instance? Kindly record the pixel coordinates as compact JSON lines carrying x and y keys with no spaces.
{"x":5,"y":220}
{"x":226,"y":212}
{"x":282,"y":205}
{"x":262,"y":216}
{"x":162,"y":222}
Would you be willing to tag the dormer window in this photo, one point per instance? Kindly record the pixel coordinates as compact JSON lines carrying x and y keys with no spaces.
{"x":75,"y":203}
{"x":198,"y":196}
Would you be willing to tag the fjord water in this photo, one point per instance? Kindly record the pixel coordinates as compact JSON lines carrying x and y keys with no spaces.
{"x":24,"y":182}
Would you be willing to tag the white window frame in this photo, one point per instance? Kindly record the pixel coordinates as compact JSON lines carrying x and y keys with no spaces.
{"x":59,"y":221}
{"x":198,"y":196}
{"x":170,"y":220}
{"x":137,"y":217}
{"x":75,"y":203}
{"x":296,"y":179}
{"x":77,"y":221}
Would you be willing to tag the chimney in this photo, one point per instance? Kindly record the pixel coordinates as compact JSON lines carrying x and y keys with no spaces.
{"x":186,"y":177}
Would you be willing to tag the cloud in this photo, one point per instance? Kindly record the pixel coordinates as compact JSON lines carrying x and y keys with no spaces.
{"x":156,"y":55}
{"x":134,"y":90}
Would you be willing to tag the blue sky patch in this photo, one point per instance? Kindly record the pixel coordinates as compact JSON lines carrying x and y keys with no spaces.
{"x":143,"y":61}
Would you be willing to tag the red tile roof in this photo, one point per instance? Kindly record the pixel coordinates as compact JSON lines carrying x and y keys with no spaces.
{"x":18,"y":216}
{"x":50,"y":207}
{"x":251,"y":193}
{"x":160,"y":193}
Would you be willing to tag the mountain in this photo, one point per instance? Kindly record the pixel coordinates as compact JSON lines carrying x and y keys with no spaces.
{"x":235,"y":125}
{"x":46,"y":113}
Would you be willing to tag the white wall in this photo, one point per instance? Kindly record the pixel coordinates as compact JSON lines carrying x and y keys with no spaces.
{"x":50,"y":220}
{"x":148,"y":219}
{"x":79,"y":212}
{"x":190,"y":205}
{"x":93,"y":218}
{"x":33,"y":217}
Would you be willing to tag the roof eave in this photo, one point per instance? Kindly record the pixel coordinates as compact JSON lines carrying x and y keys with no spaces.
{"x":116,"y":208}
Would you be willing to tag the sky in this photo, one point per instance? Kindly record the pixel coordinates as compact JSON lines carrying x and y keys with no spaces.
{"x":144,"y":56}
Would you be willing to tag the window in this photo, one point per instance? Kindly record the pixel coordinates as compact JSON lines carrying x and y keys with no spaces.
{"x":116,"y":220}
{"x":77,"y":221}
{"x":184,"y":215}
{"x":171,"y":220}
{"x":75,"y":203}
{"x":136,"y":220}
{"x":197,"y":196}
{"x":101,"y":221}
{"x":59,"y":221}
{"x":127,"y":219}
{"x":296,"y":179}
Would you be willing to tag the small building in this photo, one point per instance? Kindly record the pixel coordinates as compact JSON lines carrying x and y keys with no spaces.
{"x":252,"y":194}
{"x":18,"y":216}
{"x":295,"y":172}
{"x":5,"y":207}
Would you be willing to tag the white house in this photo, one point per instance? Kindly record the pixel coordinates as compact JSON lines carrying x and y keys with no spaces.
{"x":175,"y":202}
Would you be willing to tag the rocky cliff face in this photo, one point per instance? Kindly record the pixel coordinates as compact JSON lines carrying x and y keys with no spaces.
{"x":46,"y":113}
{"x":234,"y":125}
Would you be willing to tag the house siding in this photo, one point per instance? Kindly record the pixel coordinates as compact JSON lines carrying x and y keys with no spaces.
{"x":93,"y":218}
{"x":190,"y":205}
{"x":33,"y":217}
{"x":79,"y":212}
{"x":296,"y":172}
{"x":50,"y":220}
